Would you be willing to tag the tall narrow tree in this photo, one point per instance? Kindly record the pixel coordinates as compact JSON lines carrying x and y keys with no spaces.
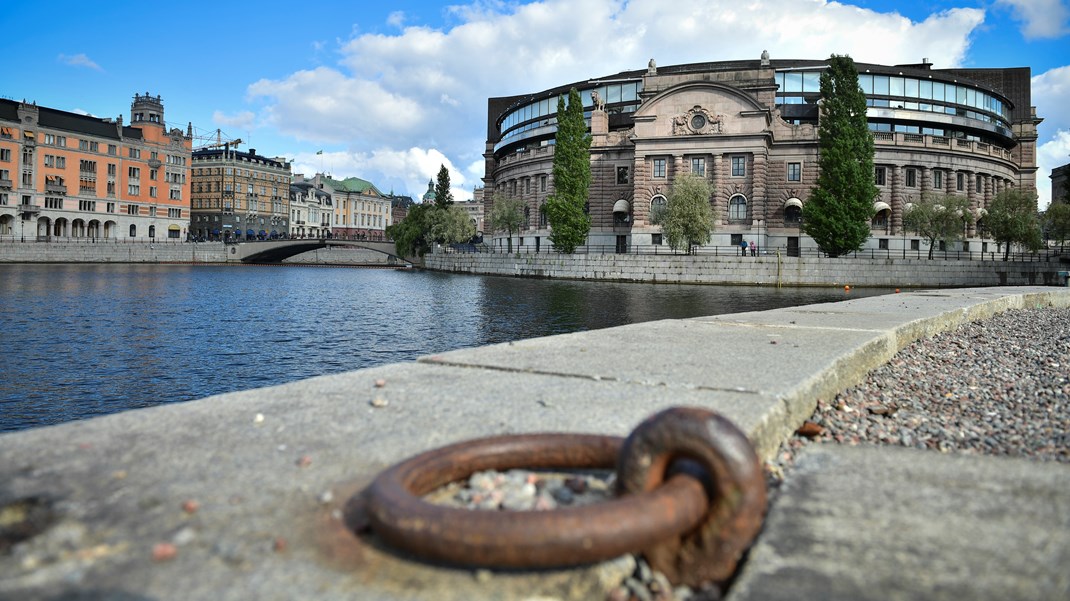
{"x":569,"y":223}
{"x":840,"y":206}
{"x":443,"y":196}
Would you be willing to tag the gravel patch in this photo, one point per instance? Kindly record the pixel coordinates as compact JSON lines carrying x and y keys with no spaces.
{"x":1000,"y":386}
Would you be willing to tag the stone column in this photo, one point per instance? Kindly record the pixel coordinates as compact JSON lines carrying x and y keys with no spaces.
{"x":895,"y":175}
{"x":721,"y":201}
{"x":759,"y":178}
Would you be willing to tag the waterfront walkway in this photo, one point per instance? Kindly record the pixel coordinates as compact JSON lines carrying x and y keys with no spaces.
{"x":238,"y":496}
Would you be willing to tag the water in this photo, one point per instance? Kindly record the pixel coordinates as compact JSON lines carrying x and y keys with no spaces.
{"x":87,"y":340}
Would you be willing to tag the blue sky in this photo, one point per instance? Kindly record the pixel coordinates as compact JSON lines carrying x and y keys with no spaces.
{"x":391,"y":90}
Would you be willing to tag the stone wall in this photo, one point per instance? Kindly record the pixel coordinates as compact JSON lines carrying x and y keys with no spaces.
{"x":764,"y":271}
{"x":112,"y":252}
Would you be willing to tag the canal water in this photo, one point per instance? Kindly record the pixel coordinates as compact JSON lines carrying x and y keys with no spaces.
{"x":87,"y":340}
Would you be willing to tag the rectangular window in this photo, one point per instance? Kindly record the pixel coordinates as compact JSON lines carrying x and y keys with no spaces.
{"x":938,"y":179}
{"x":882,"y":244}
{"x":659,"y":167}
{"x":794,"y":172}
{"x":152,"y":211}
{"x":111,"y":207}
{"x":133,"y":190}
{"x":622,"y":177}
{"x":5,"y":155}
{"x":527,"y":185}
{"x":111,"y":169}
{"x":53,"y":202}
{"x":915,"y":245}
{"x":912,"y":178}
{"x":879,"y":174}
{"x":133,"y":172}
{"x":698,"y":166}
{"x":113,"y":149}
{"x":152,"y":174}
{"x":979,"y":184}
{"x":152,"y":191}
{"x":87,"y":166}
{"x":87,"y":205}
{"x":87,"y":186}
{"x":3,"y":198}
{"x":655,"y":239}
{"x":960,"y":182}
{"x":739,"y":166}
{"x":134,"y":153}
{"x":133,"y":210}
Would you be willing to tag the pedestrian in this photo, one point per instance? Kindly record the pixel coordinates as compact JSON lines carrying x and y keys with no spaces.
{"x":753,"y":249}
{"x":743,"y":247}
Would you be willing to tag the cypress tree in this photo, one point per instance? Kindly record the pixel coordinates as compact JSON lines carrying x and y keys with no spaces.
{"x":569,"y":224}
{"x":443,"y":196}
{"x":838,"y":212}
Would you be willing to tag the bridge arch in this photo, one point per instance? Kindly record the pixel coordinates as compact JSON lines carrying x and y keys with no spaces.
{"x":276,"y":251}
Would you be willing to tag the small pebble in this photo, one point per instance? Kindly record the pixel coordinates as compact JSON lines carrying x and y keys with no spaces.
{"x":304,"y":461}
{"x":378,"y":403}
{"x":190,"y":506}
{"x":279,"y":545}
{"x":326,"y":497}
{"x":259,"y":418}
{"x":164,"y":552}
{"x":380,"y":383}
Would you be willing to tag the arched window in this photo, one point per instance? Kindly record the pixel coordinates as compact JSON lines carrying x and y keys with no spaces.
{"x":737,"y":208}
{"x":658,"y":205}
{"x":152,"y":231}
{"x":792,"y":215}
{"x":133,"y":231}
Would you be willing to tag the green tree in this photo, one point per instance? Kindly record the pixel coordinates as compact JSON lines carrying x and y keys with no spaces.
{"x":450,"y":225}
{"x":1057,"y":221}
{"x":411,"y":234}
{"x":569,"y":224}
{"x":840,"y":206}
{"x":506,"y":214}
{"x":443,"y":196}
{"x":937,"y":217}
{"x":688,"y":219}
{"x":1012,"y":219}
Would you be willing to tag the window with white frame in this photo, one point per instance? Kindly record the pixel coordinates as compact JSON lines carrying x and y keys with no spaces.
{"x":659,"y":168}
{"x":737,"y":208}
{"x":794,"y":172}
{"x":698,"y":166}
{"x":739,"y":166}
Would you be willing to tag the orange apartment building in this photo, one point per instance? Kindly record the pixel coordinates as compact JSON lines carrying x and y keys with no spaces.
{"x":70,"y":176}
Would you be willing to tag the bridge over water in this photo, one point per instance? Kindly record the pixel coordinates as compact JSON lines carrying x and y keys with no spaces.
{"x":275,"y":251}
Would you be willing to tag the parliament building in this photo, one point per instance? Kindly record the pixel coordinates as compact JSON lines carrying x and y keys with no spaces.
{"x":751,"y":129}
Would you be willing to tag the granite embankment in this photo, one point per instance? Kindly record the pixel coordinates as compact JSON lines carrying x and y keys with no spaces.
{"x":167,"y":251}
{"x":766,"y":270}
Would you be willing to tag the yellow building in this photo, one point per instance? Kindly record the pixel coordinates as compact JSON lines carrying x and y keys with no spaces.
{"x":65,"y":175}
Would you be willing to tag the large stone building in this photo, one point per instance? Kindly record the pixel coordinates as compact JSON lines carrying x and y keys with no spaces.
{"x":239,"y":195}
{"x":750,"y":128}
{"x":1060,"y":183}
{"x":361,"y":211}
{"x":65,"y":175}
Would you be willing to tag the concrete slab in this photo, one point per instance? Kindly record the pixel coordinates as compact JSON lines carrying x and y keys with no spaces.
{"x":116,"y":485}
{"x":895,"y":523}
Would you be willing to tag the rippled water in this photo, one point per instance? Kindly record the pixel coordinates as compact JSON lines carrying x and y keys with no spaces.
{"x":86,"y":340}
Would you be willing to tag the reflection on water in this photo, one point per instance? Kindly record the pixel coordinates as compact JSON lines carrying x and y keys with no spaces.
{"x":85,"y":340}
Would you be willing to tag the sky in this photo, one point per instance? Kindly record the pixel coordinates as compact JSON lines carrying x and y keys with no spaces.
{"x":391,"y":91}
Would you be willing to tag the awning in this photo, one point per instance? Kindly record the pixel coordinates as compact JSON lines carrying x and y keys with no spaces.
{"x":792,"y":202}
{"x":28,"y":134}
{"x":621,"y":206}
{"x":880,"y":206}
{"x":173,"y":228}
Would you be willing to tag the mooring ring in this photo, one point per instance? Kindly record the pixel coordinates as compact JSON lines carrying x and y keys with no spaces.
{"x":525,"y":539}
{"x":726,"y":460}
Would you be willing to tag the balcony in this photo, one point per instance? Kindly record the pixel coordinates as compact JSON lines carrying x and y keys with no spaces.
{"x":30,"y":209}
{"x":6,"y":183}
{"x":56,"y":188}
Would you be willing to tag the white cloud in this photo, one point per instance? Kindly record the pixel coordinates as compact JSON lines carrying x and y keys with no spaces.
{"x":1051,"y":96}
{"x":79,"y":60}
{"x":426,"y":88}
{"x":244,"y":120}
{"x":403,"y":171}
{"x":1040,"y":18}
{"x":396,"y":19}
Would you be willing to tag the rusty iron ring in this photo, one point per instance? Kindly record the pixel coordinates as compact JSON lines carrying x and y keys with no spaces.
{"x":710,"y":553}
{"x":525,"y":539}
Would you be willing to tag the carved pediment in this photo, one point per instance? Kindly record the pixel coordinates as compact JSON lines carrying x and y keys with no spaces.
{"x":697,"y":121}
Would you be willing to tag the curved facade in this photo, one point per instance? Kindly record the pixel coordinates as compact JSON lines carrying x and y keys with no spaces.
{"x":750,"y":128}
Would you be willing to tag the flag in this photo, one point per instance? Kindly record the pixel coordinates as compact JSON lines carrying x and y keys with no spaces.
{"x":319,"y":152}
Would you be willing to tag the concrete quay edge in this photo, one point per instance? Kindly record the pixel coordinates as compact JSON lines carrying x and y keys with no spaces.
{"x":270,"y":468}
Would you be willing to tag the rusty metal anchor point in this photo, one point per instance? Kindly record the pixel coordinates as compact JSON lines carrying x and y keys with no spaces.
{"x":690,"y":497}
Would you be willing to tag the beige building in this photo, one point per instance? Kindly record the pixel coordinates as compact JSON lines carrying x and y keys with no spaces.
{"x":65,"y":175}
{"x":750,"y":129}
{"x":239,"y":195}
